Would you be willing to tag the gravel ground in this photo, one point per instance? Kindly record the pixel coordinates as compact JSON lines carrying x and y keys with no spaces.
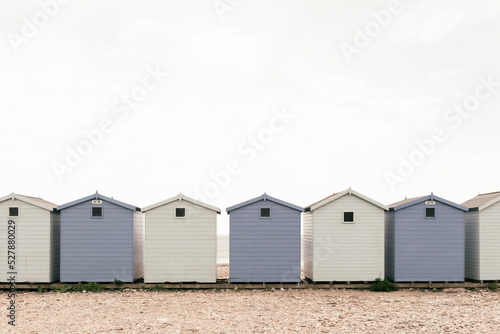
{"x":223,"y":271}
{"x":257,"y":311}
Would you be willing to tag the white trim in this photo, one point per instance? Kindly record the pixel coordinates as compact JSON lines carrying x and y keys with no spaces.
{"x":175,"y":213}
{"x":490,"y":203}
{"x":353,"y":217}
{"x":181,"y":197}
{"x":21,"y":198}
{"x":347,"y":192}
{"x":18,"y":212}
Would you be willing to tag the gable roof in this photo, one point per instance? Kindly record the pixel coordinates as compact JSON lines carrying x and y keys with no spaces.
{"x":101,"y":197}
{"x":482,"y":201}
{"x":264,"y":198}
{"x":412,"y":201}
{"x":181,"y":198}
{"x":36,"y":201}
{"x":336,"y":196}
{"x":404,"y":201}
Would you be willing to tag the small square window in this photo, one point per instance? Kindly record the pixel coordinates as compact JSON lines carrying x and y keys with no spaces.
{"x":180,"y":212}
{"x":96,"y":212}
{"x":13,"y":212}
{"x":348,"y":217}
{"x":430,"y":212}
{"x":265,"y":212}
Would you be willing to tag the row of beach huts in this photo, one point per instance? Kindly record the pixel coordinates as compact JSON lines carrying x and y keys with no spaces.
{"x":345,"y":237}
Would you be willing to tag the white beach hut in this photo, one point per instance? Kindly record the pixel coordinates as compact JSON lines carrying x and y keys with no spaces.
{"x":482,"y":237}
{"x":180,"y":241}
{"x":34,"y":225}
{"x":344,"y":238}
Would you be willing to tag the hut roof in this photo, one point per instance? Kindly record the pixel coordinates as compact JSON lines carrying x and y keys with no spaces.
{"x":338,"y":195}
{"x":98,"y":196}
{"x":412,"y":201}
{"x":482,"y":201}
{"x":265,"y":197}
{"x":36,"y":201}
{"x":181,"y":198}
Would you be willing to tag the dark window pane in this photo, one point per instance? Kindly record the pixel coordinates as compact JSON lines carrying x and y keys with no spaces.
{"x":349,"y":217}
{"x":265,"y":212}
{"x":180,"y":212}
{"x":13,"y":212}
{"x":96,"y":212}
{"x":430,"y":212}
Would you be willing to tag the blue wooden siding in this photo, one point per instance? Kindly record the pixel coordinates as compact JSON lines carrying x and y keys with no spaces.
{"x":264,"y":249}
{"x":98,"y":249}
{"x":426,"y":249}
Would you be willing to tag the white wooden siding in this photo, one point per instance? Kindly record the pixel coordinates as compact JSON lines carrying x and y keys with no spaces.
{"x":33,"y":235}
{"x":472,"y":256}
{"x":138,"y":245}
{"x":348,"y":252}
{"x":307,"y":245}
{"x":489,"y":233}
{"x":181,"y":249}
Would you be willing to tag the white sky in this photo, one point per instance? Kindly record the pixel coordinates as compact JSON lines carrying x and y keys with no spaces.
{"x":352,"y":120}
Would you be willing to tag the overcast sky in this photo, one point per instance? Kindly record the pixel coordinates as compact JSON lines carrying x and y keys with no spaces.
{"x":225,"y":100}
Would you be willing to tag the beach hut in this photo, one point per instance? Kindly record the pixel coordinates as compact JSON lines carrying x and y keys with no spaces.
{"x":482,"y":237}
{"x":101,"y":240}
{"x":344,"y":238}
{"x":31,"y":225}
{"x":425,"y":240}
{"x":180,"y":241}
{"x":264,"y":241}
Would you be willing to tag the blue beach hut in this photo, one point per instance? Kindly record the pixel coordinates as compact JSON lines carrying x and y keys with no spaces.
{"x":101,"y":240}
{"x":264,"y":241}
{"x":424,"y":238}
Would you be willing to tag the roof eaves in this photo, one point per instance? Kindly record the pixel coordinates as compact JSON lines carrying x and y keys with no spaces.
{"x":490,"y":203}
{"x":181,"y":197}
{"x":264,"y":197}
{"x":336,"y":196}
{"x":98,"y":196}
{"x":430,"y":197}
{"x":41,"y":203}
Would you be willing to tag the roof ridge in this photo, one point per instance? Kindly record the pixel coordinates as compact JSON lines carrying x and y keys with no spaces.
{"x":491,"y":193}
{"x":321,"y":200}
